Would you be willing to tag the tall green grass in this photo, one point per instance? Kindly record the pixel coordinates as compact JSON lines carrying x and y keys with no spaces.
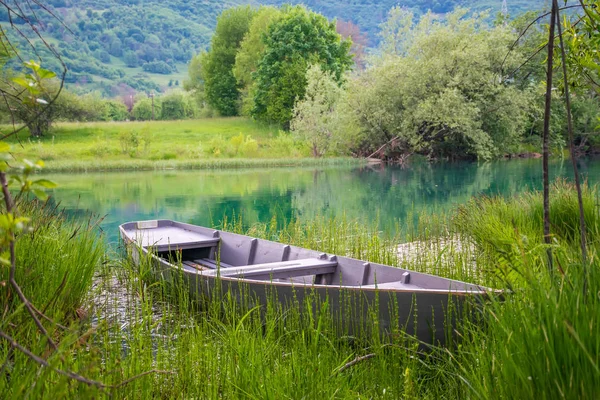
{"x":55,"y":265}
{"x":541,"y":341}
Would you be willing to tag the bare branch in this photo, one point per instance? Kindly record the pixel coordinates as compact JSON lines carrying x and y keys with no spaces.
{"x":572,"y":148}
{"x":354,"y":362}
{"x":46,"y":364}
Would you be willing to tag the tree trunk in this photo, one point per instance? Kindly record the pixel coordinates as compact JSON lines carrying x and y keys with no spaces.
{"x":545,"y":154}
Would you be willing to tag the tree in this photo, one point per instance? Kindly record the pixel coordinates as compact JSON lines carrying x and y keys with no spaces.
{"x":157,"y":67}
{"x":131,"y":59}
{"x":444,"y":97}
{"x":314,"y":116}
{"x":142,"y":110}
{"x":582,"y":39}
{"x":396,"y":31}
{"x":250,"y":52}
{"x":174,"y":106}
{"x":115,"y":110}
{"x":220,"y":86}
{"x":32,"y":99}
{"x":360,"y":41}
{"x":195,"y":82}
{"x":300,"y":38}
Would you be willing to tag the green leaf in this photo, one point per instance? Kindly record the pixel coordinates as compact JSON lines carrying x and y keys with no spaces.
{"x":32,"y":65}
{"x":45,"y":183}
{"x":45,"y":74}
{"x":4,"y":147}
{"x":21,"y":81}
{"x":40,"y":194}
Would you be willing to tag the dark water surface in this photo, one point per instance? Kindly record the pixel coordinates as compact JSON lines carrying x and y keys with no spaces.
{"x":378,"y":193}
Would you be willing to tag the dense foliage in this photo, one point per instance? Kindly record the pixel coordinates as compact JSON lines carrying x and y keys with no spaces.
{"x":447,"y":88}
{"x":261,"y":58}
{"x":301,"y":37}
{"x":220,"y":85}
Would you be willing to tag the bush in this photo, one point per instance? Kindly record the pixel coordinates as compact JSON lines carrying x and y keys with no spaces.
{"x":217,"y":147}
{"x":100,"y":147}
{"x":129,"y":141}
{"x":284,"y":144}
{"x":157,"y":67}
{"x":115,"y":110}
{"x":142,"y":110}
{"x":173,"y":106}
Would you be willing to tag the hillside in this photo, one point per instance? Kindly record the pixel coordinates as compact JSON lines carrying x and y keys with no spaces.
{"x":119,"y":47}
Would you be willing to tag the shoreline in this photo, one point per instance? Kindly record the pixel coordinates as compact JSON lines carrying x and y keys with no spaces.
{"x":166,"y":165}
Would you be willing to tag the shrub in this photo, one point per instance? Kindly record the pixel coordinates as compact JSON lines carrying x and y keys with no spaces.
{"x":115,"y":110}
{"x":217,"y":147}
{"x":129,"y":141}
{"x":100,"y":148}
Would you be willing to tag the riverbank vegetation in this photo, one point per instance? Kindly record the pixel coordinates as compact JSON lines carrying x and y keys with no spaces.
{"x":451,"y":87}
{"x":145,"y":338}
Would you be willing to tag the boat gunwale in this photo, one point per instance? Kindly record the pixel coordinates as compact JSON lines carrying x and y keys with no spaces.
{"x":482,"y":291}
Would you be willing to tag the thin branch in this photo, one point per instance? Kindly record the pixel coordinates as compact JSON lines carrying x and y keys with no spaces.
{"x":542,"y":47}
{"x":79,"y":378}
{"x":572,"y":149}
{"x":512,"y":47}
{"x":354,"y":362}
{"x":46,"y":364}
{"x":382,"y":147}
{"x":152,"y":371}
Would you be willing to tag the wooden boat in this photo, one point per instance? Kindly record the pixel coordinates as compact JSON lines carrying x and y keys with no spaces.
{"x":417,"y":303}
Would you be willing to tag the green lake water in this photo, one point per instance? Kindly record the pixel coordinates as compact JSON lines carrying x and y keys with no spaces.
{"x":374,"y":193}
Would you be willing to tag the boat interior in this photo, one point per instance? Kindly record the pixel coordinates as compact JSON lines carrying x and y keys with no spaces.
{"x":217,"y":253}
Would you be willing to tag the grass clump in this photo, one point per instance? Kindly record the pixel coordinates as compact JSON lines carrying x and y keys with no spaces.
{"x":541,"y":341}
{"x":56,"y":261}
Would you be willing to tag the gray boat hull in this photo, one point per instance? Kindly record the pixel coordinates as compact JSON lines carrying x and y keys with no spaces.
{"x":362,"y":297}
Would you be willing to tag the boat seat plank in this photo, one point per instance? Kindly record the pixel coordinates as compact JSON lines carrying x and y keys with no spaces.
{"x":279,"y":270}
{"x":194,"y":265}
{"x":212,"y":264}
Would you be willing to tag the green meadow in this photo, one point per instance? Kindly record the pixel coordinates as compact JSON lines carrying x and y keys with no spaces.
{"x":187,"y":144}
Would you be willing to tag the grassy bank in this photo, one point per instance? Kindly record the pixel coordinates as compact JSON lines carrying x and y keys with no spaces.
{"x":540,"y":342}
{"x":188,"y":144}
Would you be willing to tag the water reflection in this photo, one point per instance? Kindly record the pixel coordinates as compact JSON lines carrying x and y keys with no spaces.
{"x":383,"y":193}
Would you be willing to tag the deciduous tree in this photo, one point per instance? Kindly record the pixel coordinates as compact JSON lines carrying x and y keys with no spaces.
{"x":299,"y":39}
{"x":314,"y":116}
{"x":220,"y":85}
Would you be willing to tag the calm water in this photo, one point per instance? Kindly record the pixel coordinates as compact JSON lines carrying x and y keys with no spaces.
{"x":377,"y":193}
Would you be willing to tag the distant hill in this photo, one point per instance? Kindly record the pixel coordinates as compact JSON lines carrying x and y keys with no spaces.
{"x":121,"y":46}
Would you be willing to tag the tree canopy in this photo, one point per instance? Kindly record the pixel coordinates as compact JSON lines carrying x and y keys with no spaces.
{"x":299,"y":39}
{"x":220,"y":85}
